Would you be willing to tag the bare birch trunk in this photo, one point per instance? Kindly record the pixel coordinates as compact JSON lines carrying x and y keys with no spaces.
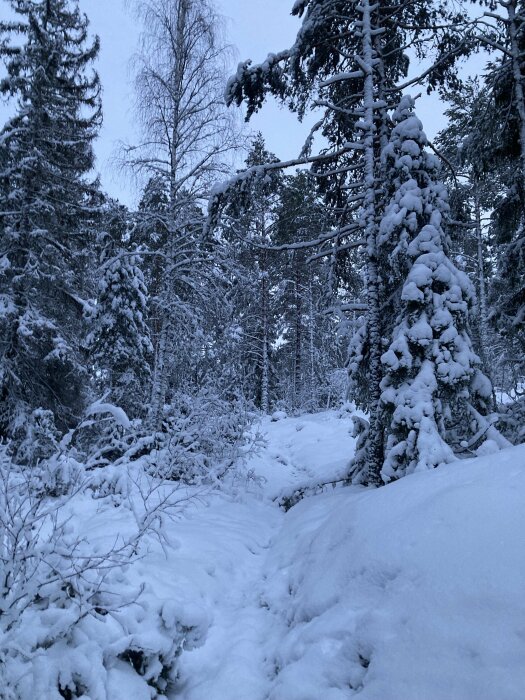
{"x":164,"y":352}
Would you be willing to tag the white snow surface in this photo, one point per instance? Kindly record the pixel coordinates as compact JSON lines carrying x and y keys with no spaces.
{"x":414,"y":591}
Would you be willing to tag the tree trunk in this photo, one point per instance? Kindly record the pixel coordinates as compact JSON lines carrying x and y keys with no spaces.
{"x":164,"y":351}
{"x":265,"y":360}
{"x":482,"y":293}
{"x":298,"y":332}
{"x":311,"y":329}
{"x":375,"y":435}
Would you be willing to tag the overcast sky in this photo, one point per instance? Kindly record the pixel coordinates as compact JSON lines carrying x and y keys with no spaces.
{"x":254,"y":27}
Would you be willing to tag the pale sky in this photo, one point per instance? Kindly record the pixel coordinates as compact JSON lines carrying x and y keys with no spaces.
{"x":254,"y":27}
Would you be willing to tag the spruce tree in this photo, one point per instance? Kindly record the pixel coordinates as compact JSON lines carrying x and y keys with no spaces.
{"x":46,"y":194}
{"x":432,"y":387}
{"x":119,"y":341}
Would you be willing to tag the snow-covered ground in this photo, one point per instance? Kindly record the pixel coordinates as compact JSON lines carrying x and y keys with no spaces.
{"x":414,"y":591}
{"x":410,"y":592}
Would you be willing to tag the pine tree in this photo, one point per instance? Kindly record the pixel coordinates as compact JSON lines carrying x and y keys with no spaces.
{"x":119,"y":341}
{"x":432,"y":386}
{"x":46,"y":196}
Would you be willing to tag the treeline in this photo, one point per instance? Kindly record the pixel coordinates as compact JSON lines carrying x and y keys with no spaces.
{"x":146,"y":309}
{"x":247,"y":289}
{"x":442,"y":272}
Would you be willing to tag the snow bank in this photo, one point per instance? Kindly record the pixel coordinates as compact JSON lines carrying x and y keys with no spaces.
{"x":410,"y":592}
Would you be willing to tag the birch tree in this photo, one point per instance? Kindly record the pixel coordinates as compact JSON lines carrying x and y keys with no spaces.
{"x":187,"y":136}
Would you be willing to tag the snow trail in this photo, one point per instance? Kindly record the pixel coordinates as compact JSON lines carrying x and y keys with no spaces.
{"x":238,"y":661}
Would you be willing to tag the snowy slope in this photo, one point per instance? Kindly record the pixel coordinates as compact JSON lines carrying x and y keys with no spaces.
{"x":410,"y":592}
{"x":414,"y":591}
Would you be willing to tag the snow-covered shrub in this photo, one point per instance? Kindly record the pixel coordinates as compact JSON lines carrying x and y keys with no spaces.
{"x":278,"y":415}
{"x":39,"y":438}
{"x":335,"y":390}
{"x":59,"y":475}
{"x":110,"y":482}
{"x":346,"y":410}
{"x":71,"y":624}
{"x":512,"y":420}
{"x":360,"y":431}
{"x":204,"y":437}
{"x":103,"y":436}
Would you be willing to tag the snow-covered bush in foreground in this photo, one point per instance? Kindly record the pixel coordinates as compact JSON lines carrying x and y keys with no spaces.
{"x":72,"y":625}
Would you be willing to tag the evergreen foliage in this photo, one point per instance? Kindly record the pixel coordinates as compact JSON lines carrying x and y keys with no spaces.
{"x":431,"y":373}
{"x":119,"y":341}
{"x":46,"y":194}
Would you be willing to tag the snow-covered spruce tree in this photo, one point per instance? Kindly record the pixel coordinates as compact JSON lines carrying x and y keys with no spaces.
{"x":46,"y":158}
{"x":432,"y":388}
{"x":350,"y":60}
{"x":187,"y":134}
{"x":119,"y":341}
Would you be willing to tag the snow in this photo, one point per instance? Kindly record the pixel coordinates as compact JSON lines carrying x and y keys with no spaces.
{"x":409,"y":592}
{"x":100,"y":407}
{"x":413,"y":591}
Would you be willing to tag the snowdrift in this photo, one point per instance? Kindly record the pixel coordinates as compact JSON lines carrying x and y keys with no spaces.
{"x":414,"y":591}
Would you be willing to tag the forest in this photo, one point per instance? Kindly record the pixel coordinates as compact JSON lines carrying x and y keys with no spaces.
{"x":262,"y":433}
